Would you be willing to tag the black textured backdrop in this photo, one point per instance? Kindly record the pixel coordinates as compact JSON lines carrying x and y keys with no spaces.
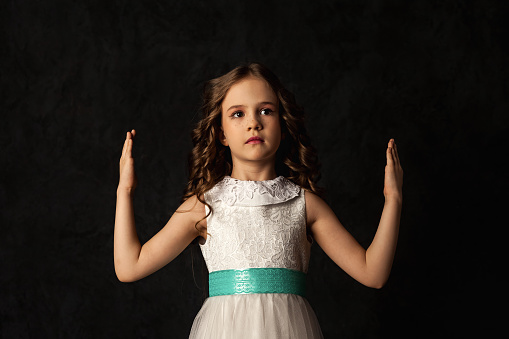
{"x":75,"y":76}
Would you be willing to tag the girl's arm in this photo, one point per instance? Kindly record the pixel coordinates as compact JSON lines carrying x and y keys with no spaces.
{"x":133,"y":261}
{"x":370,"y":267}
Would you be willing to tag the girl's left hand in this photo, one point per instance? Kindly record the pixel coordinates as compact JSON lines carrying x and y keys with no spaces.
{"x":393,"y":182}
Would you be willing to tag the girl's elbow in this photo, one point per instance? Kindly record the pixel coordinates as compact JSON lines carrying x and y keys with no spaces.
{"x":124,"y":276}
{"x":374,"y":283}
{"x":377,"y":285}
{"x":124,"y":279}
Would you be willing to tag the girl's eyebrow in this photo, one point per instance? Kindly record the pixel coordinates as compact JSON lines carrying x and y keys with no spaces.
{"x":261,"y":103}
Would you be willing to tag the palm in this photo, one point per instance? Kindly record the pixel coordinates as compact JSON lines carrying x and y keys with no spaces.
{"x":126,"y":165}
{"x":393,"y":182}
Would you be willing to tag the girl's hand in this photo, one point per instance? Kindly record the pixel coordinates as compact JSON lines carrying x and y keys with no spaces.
{"x":393,"y":183}
{"x":127,"y":178}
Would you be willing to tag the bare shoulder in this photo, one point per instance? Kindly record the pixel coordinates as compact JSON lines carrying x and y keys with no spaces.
{"x":315,"y":206}
{"x":195,"y":210}
{"x":192,"y":204}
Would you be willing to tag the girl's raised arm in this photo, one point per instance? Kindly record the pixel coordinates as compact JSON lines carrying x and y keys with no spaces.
{"x":133,"y":261}
{"x":370,"y":267}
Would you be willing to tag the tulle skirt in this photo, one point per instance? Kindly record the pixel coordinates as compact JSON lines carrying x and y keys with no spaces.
{"x":256,"y":316}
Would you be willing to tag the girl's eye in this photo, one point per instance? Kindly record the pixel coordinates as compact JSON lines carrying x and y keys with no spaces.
{"x":268,"y":110}
{"x":237,"y":114}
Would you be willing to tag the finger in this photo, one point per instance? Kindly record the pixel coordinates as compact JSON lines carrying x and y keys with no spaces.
{"x":394,"y":152}
{"x":130,"y":148}
{"x":133,"y":132}
{"x":128,"y":137}
{"x":124,"y":148}
{"x":396,"y":155}
{"x":390,"y":159}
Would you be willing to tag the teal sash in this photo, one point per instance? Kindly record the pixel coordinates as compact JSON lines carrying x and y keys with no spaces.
{"x":257,"y":280}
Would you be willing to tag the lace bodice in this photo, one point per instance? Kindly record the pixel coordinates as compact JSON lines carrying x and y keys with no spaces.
{"x":256,"y":224}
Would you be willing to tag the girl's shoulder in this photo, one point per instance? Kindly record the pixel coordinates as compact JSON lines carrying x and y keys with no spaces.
{"x":193,"y":205}
{"x":194,"y":213}
{"x":315,"y":206}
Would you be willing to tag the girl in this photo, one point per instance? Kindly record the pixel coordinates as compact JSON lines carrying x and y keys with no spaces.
{"x":253,"y":205}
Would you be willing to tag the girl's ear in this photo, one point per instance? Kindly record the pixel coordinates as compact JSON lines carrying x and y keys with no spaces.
{"x":222,"y":137}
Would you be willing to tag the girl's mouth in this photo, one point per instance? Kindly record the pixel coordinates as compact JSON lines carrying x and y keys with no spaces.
{"x":254,"y":140}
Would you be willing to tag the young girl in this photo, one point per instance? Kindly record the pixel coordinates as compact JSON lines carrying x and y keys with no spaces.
{"x":253,"y":204}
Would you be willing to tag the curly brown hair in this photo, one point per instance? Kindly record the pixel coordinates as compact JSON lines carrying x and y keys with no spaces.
{"x":210,"y":161}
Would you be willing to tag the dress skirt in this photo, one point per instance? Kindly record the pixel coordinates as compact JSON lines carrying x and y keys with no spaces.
{"x":256,"y":316}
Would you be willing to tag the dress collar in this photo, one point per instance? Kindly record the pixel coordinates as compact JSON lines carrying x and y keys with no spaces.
{"x":253,"y":193}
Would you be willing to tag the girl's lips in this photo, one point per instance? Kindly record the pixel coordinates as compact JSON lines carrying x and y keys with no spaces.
{"x":254,"y":140}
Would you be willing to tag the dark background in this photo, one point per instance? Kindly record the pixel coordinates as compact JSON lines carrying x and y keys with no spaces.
{"x":75,"y":76}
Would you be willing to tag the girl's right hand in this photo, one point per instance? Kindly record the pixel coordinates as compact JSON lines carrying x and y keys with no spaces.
{"x":127,"y":178}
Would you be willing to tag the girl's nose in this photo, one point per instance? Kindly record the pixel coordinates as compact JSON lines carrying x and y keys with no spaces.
{"x":254,"y":123}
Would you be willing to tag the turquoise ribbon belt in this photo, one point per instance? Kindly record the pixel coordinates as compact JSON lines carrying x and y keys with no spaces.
{"x":257,"y":280}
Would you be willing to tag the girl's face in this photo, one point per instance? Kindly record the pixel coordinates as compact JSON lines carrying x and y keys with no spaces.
{"x":250,"y":109}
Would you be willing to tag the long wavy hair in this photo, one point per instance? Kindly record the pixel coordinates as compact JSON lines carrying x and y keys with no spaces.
{"x":210,"y":161}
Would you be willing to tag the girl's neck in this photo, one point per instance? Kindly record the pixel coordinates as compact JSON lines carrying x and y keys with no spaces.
{"x":253,"y":174}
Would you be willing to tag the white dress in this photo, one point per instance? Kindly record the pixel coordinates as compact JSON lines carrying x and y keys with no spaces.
{"x":256,"y":224}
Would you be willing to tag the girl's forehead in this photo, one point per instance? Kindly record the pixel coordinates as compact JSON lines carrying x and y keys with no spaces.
{"x":249,"y":90}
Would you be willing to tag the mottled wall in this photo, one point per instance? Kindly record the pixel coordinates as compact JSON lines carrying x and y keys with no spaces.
{"x":75,"y":76}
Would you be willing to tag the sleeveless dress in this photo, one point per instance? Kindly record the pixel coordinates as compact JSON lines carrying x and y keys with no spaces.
{"x":256,"y":224}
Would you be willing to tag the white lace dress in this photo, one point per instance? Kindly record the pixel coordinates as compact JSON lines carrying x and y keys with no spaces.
{"x":256,"y":224}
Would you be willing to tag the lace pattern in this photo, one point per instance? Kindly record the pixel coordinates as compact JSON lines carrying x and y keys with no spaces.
{"x":256,"y":224}
{"x":253,"y":193}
